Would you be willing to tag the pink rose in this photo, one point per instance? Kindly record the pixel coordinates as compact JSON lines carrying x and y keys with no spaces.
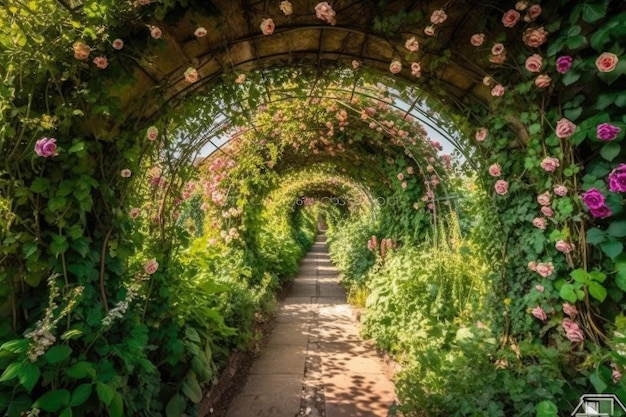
{"x":534,"y":63}
{"x":438,"y":17}
{"x":481,"y":134}
{"x":547,"y":211}
{"x":510,"y":18}
{"x":81,"y":51}
{"x":564,"y":63}
{"x":117,"y":44}
{"x":539,"y":287}
{"x":400,"y":176}
{"x":570,"y":310}
{"x":151,"y":266}
{"x":545,"y":269}
{"x":191,"y":75}
{"x":101,"y":62}
{"x":563,"y":246}
{"x":395,"y":67}
{"x":477,"y":39}
{"x":501,"y":187}
{"x":498,"y":59}
{"x":572,"y":331}
{"x":616,"y":375}
{"x":241,"y":78}
{"x":494,"y":170}
{"x":539,"y":313}
{"x":355,"y":64}
{"x":46,"y":147}
{"x":267,"y":26}
{"x":155,"y":32}
{"x":412,"y":44}
{"x":564,"y":128}
{"x":532,"y":265}
{"x":416,"y":69}
{"x":539,"y":222}
{"x":497,"y":49}
{"x":534,"y":12}
{"x":134,"y":212}
{"x":543,"y":81}
{"x":497,"y":90}
{"x":549,"y":164}
{"x":152,"y":133}
{"x":325,"y":12}
{"x":521,"y":5}
{"x":606,"y":62}
{"x":535,"y":37}
{"x":125,"y":173}
{"x":560,"y":190}
{"x":200,"y":32}
{"x":429,"y":30}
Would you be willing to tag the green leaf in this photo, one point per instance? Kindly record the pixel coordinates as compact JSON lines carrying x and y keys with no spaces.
{"x":57,"y":354}
{"x":612,"y":248}
{"x":597,"y":382}
{"x":617,"y":228}
{"x":592,"y":12}
{"x":597,"y":291}
{"x":192,"y":334}
{"x":546,"y":409}
{"x":191,"y":388}
{"x":604,"y":100}
{"x":576,"y":42}
{"x":567,"y":293}
{"x":599,"y":39}
{"x":620,"y":280}
{"x":16,"y":345}
{"x":65,"y":188}
{"x":534,"y":128}
{"x":579,"y":275}
{"x":573,"y":114}
{"x":71,"y":334}
{"x":11,"y":372}
{"x":52,"y":401}
{"x":29,"y":375}
{"x":105,"y":392}
{"x":67,"y":412}
{"x":175,"y":406}
{"x":116,"y":408}
{"x":40,"y":185}
{"x":595,"y":236}
{"x":570,"y":77}
{"x":77,"y":147}
{"x":81,"y":394}
{"x":610,"y":150}
{"x":81,"y":370}
{"x":57,"y":203}
{"x":597,"y":276}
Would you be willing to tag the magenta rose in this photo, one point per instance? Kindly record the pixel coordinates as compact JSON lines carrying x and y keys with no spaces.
{"x":564,"y":63}
{"x":593,"y":199}
{"x":617,"y":179}
{"x":46,"y":147}
{"x":601,"y":212}
{"x":607,"y":131}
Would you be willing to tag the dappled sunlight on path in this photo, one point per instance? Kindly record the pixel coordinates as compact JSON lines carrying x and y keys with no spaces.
{"x":315,"y":364}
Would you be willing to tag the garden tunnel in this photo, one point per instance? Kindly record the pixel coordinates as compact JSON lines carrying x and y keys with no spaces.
{"x":157,"y":152}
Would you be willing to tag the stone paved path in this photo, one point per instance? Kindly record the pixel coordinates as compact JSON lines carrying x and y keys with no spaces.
{"x":315,"y":364}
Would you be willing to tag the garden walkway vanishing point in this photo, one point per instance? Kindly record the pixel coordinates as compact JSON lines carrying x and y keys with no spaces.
{"x":315,"y":364}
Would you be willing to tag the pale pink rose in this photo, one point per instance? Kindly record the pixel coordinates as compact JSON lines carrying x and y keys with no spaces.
{"x":152,"y":133}
{"x":155,"y":32}
{"x":400,"y":176}
{"x":540,"y":223}
{"x":101,"y":62}
{"x":191,"y":75}
{"x":606,"y":62}
{"x":412,"y":44}
{"x":481,"y":134}
{"x":494,"y":170}
{"x":355,"y":64}
{"x":81,"y":51}
{"x":267,"y":26}
{"x":286,"y":7}
{"x":480,"y":324}
{"x":498,"y":59}
{"x":403,"y":185}
{"x":544,"y":199}
{"x":510,"y":18}
{"x":151,"y":266}
{"x":241,"y":78}
{"x":487,"y":80}
{"x":429,"y":30}
{"x":570,"y":310}
{"x":125,"y":173}
{"x":616,"y":375}
{"x":563,"y":246}
{"x":549,"y":164}
{"x":200,"y":32}
{"x":539,"y":288}
{"x":564,"y":128}
{"x":521,"y":5}
{"x":532,"y":265}
{"x":438,"y":17}
{"x":410,"y":170}
{"x":545,"y":269}
{"x":534,"y":63}
{"x":477,"y":39}
{"x":416,"y":69}
{"x":573,"y":331}
{"x":117,"y":44}
{"x":501,"y":187}
{"x":547,"y":211}
{"x":535,"y":37}
{"x":497,"y":90}
{"x":543,"y":81}
{"x":395,"y":67}
{"x":325,"y":12}
{"x":497,"y":49}
{"x":539,"y":313}
{"x":134,"y":212}
{"x":560,"y":190}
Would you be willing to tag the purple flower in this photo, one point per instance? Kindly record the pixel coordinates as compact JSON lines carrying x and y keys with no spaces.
{"x":617,"y":179}
{"x":601,"y":212}
{"x":594,"y":199}
{"x":564,"y":63}
{"x":46,"y":147}
{"x":607,"y":131}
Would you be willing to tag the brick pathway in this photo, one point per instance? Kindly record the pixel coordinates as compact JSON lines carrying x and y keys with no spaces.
{"x":315,"y":364}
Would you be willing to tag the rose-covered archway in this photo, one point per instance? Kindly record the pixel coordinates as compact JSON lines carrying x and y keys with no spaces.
{"x":106,"y":106}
